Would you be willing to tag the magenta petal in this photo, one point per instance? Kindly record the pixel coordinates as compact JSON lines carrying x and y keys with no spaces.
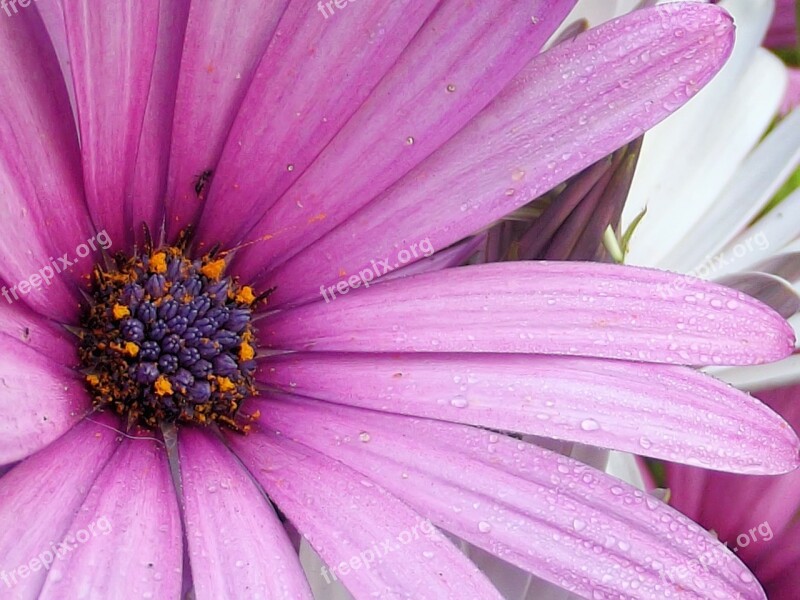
{"x":39,"y":400}
{"x":663,"y":411}
{"x":222,"y":504}
{"x":41,"y":196}
{"x":387,"y":549}
{"x":224,"y":44}
{"x":149,"y":186}
{"x":557,"y":518}
{"x":463,"y":56}
{"x":132,"y":529}
{"x":783,"y":29}
{"x":40,"y":497}
{"x":20,"y":323}
{"x":52,"y":13}
{"x":570,"y":107}
{"x":586,"y":309}
{"x":313,"y":77}
{"x":112,"y":51}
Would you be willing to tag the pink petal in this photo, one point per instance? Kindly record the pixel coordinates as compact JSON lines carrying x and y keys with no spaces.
{"x":40,"y":497}
{"x":224,"y":43}
{"x":774,"y":291}
{"x":223,"y":505}
{"x":391,"y":551}
{"x":791,"y":99}
{"x":783,"y":29}
{"x":41,"y":195}
{"x":39,"y":400}
{"x":570,"y":107}
{"x":459,"y":61}
{"x":149,"y":186}
{"x":298,"y":110}
{"x":112,"y":51}
{"x":673,"y":413}
{"x":561,"y":520}
{"x":20,"y":323}
{"x":749,"y":501}
{"x":454,"y":256}
{"x":52,"y":13}
{"x":585,"y":309}
{"x":132,"y":526}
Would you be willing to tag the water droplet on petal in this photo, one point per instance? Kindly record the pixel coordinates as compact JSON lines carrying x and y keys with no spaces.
{"x":590,"y":425}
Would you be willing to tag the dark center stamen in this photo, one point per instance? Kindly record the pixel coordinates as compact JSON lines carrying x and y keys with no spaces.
{"x":169,"y":339}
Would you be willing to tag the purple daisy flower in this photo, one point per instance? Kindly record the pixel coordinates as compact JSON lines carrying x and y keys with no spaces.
{"x":163,"y":387}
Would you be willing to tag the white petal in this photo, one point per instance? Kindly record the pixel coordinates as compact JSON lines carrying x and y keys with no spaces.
{"x":687,"y":160}
{"x":750,"y":189}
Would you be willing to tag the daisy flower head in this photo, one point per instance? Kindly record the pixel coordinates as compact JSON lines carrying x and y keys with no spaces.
{"x":224,"y":326}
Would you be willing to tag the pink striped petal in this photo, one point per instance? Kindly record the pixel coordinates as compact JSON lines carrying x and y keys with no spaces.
{"x":773,"y":290}
{"x":224,"y":44}
{"x":749,"y":501}
{"x":222,"y":505}
{"x":313,"y":78}
{"x":52,"y":13}
{"x":673,"y":413}
{"x":19,"y":323}
{"x":133,"y":548}
{"x":40,"y":497}
{"x":41,"y":196}
{"x":457,"y":64}
{"x":112,"y":51}
{"x":569,"y":108}
{"x":39,"y":400}
{"x":148,"y":189}
{"x":586,"y":309}
{"x":374,"y":543}
{"x":561,"y":520}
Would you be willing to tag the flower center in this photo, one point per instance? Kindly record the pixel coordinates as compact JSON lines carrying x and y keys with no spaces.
{"x":169,"y":339}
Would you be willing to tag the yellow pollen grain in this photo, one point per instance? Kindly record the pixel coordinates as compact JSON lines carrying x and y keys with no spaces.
{"x":120,"y":311}
{"x":131,"y":349}
{"x":246,"y":352}
{"x":225,"y":384}
{"x":246,"y":295}
{"x":163,"y":386}
{"x":213,"y":270}
{"x":93,"y":380}
{"x":158,"y":262}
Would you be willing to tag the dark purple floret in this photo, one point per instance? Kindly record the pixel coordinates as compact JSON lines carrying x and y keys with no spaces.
{"x":170,"y":339}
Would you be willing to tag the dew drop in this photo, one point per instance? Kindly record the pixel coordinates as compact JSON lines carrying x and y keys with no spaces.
{"x":459,"y":402}
{"x":484,"y":527}
{"x":590,"y":425}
